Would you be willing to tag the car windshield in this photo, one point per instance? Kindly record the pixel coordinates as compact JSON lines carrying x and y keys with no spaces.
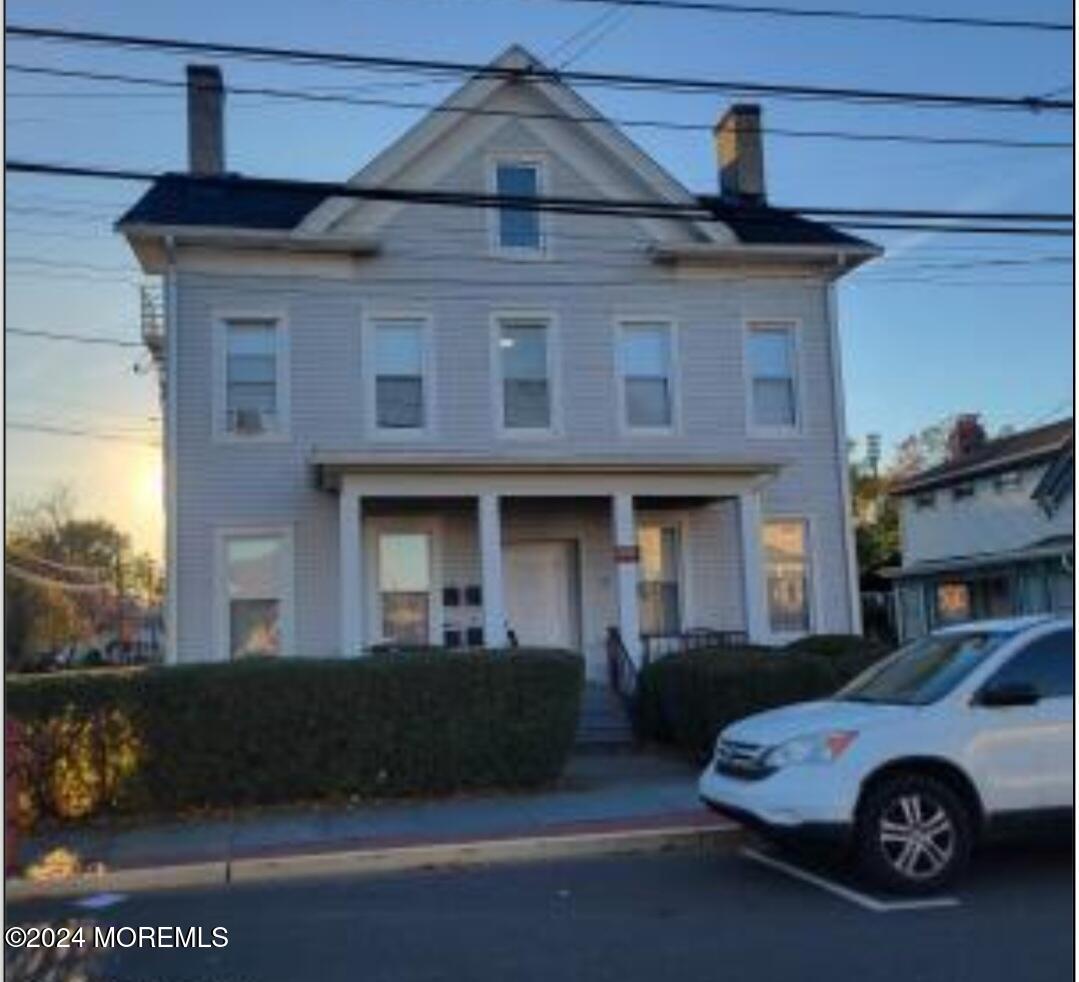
{"x":923,"y":671}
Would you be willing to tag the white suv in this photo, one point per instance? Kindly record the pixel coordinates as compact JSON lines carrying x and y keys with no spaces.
{"x":954,"y":735}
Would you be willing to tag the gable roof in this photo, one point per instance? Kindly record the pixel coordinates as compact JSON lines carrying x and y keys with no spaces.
{"x":1004,"y":453}
{"x":516,"y":66}
{"x":304,"y":209}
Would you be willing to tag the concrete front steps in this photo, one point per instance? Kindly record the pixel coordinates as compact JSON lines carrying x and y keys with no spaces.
{"x":604,"y":724}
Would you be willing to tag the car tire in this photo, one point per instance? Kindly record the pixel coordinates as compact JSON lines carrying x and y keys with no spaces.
{"x":914,"y":834}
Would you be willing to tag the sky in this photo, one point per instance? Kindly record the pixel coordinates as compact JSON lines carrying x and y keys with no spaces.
{"x":930,"y":331}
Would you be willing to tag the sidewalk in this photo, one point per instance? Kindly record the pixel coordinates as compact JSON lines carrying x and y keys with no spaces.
{"x":599,"y":797}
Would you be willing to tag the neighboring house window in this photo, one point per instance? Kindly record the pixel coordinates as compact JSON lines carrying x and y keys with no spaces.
{"x":252,"y":377}
{"x":399,"y":375}
{"x":965,"y":490}
{"x":924,"y":499}
{"x":772,"y":376}
{"x":658,"y":587}
{"x":404,"y":584}
{"x":645,"y":365}
{"x":518,"y":229}
{"x":786,"y":547}
{"x":256,"y":570}
{"x":524,"y":360}
{"x":953,"y":602}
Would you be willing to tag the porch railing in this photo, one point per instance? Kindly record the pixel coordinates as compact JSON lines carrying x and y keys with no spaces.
{"x":655,"y":646}
{"x":621,"y":671}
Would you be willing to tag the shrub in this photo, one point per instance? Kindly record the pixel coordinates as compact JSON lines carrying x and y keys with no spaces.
{"x":280,"y":730}
{"x":687,"y":699}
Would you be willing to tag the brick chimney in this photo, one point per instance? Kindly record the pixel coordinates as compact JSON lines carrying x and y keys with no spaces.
{"x":205,"y":120}
{"x":740,"y":154}
{"x":967,"y":435}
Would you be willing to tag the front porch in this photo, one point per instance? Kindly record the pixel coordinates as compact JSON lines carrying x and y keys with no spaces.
{"x":547,"y":555}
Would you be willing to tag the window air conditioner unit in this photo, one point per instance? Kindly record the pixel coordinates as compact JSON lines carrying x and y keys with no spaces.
{"x":248,"y":421}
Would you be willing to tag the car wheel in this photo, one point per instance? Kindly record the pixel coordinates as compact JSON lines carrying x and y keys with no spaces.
{"x":914,"y":834}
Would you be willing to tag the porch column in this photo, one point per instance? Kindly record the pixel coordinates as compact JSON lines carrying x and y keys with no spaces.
{"x":625,"y":565}
{"x":350,"y":533}
{"x":749,"y":509}
{"x":494,"y":612}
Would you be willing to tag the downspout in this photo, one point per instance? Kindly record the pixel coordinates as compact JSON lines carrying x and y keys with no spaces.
{"x":839,"y":409}
{"x":172,"y":653}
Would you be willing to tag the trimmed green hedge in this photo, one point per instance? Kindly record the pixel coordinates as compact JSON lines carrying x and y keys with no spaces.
{"x":687,"y":699}
{"x":281,"y":730}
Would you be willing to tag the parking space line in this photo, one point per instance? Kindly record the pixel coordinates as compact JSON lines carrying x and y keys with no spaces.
{"x":846,"y":893}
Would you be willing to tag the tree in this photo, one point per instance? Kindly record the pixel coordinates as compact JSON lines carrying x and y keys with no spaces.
{"x":923,"y":449}
{"x":68,"y":578}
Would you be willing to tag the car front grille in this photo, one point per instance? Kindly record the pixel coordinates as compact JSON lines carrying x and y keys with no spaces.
{"x":742,"y":760}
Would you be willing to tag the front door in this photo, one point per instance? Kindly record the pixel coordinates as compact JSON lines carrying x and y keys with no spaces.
{"x":539,"y":579}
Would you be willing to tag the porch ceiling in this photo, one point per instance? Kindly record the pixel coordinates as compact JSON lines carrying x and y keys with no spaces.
{"x":442,"y":475}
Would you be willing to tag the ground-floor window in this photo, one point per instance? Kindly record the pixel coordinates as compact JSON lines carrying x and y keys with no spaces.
{"x":659,"y":584}
{"x":786,"y":550}
{"x":256,"y":567}
{"x":953,"y":603}
{"x":404,"y":583}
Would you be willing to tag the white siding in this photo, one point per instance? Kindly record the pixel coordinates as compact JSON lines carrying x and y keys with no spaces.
{"x":989,"y":521}
{"x":439,"y":258}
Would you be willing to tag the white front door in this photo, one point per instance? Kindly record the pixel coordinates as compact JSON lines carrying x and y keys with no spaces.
{"x":539,"y":598}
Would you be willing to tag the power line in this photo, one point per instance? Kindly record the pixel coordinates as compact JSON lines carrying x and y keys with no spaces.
{"x":51,"y":563}
{"x":302,"y":95}
{"x":842,"y":14}
{"x":1030,"y":103}
{"x":50,"y":430}
{"x":47,"y":581}
{"x":76,"y":338}
{"x":632,"y":208}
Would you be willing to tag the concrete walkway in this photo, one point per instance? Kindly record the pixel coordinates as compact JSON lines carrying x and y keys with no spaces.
{"x":622,"y":791}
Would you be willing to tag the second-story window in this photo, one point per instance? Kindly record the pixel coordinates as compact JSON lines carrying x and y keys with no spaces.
{"x":645,"y":364}
{"x":399,"y":376}
{"x":773,"y":395}
{"x":519,"y":230}
{"x":523,"y":353}
{"x":252,"y":396}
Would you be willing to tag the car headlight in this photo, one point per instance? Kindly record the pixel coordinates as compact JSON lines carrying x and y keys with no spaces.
{"x":813,"y":748}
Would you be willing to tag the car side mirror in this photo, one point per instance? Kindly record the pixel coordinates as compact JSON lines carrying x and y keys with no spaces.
{"x":1008,"y":694}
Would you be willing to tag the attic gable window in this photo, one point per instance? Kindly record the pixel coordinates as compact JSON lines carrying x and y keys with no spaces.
{"x":518,"y":230}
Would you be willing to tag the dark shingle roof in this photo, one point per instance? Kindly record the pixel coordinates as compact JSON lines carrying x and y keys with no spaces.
{"x":1003,"y":453}
{"x":759,"y":224}
{"x":235,"y":202}
{"x":239,"y":202}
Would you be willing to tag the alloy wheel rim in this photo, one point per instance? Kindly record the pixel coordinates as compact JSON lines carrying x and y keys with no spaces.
{"x":917,"y":836}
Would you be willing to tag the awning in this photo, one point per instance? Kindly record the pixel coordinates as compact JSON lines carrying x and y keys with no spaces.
{"x":1042,"y":549}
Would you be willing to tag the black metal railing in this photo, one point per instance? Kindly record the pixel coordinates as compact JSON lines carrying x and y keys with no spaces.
{"x":655,"y":646}
{"x":621,"y":670}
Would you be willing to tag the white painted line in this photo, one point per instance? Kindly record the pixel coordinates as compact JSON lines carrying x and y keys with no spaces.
{"x":853,"y":896}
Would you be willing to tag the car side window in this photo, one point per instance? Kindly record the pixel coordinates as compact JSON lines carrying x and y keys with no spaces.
{"x":1047,"y":663}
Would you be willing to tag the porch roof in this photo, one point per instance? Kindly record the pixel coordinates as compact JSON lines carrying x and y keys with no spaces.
{"x":430,"y":474}
{"x":1049,"y":548}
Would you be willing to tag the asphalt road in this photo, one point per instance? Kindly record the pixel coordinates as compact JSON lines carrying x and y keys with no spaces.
{"x":679,"y":917}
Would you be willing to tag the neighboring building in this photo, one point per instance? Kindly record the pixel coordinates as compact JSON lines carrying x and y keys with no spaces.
{"x":395,"y":422}
{"x":988,"y":533}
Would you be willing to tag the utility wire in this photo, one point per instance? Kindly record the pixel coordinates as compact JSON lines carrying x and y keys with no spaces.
{"x":50,"y":430}
{"x":307,"y":95}
{"x":633,"y":208}
{"x":842,"y":14}
{"x":1030,"y":103}
{"x":76,"y":338}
